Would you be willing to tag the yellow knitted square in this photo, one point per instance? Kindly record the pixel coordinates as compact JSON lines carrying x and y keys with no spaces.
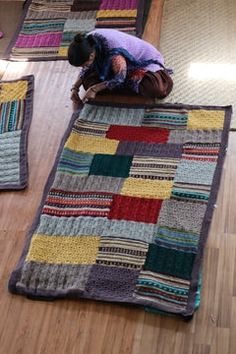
{"x":63,"y":249}
{"x":116,"y":13}
{"x":63,"y":52}
{"x":12,"y":91}
{"x":92,"y":144}
{"x":205,"y":120}
{"x":146,"y":188}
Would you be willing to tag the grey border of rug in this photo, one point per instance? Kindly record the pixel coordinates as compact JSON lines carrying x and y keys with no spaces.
{"x":28,"y":113}
{"x":140,"y":22}
{"x":73,"y":294}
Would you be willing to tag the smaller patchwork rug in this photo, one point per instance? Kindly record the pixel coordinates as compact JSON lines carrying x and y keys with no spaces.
{"x":16,"y":105}
{"x":127,"y":207}
{"x":49,"y":26}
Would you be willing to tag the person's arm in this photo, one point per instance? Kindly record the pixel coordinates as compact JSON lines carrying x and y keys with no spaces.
{"x":119,"y":69}
{"x":75,"y":90}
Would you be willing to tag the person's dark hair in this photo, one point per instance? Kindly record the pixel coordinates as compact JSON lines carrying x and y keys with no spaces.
{"x":80,"y":49}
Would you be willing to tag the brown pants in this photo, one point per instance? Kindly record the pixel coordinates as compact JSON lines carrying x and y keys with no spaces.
{"x":153,"y":85}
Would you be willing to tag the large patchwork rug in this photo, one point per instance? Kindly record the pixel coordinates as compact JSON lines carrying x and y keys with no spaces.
{"x":48,"y":26}
{"x":16,"y":102}
{"x":127,"y":207}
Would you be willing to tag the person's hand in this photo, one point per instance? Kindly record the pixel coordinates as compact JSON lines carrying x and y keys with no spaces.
{"x":75,"y":96}
{"x":89,"y":95}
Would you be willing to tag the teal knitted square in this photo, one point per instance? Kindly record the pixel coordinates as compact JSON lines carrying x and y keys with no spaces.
{"x":111,"y":165}
{"x":169,"y":261}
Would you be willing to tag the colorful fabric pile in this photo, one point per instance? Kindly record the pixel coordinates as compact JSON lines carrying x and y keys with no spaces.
{"x":127,"y":207}
{"x":48,"y":27}
{"x":16,"y":101}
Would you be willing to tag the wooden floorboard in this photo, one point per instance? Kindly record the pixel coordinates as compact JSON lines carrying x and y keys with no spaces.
{"x":88,"y":327}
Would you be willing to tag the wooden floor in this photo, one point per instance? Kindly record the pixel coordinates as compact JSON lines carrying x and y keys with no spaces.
{"x":86,"y":327}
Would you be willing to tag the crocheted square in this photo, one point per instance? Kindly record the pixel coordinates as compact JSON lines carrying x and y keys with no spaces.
{"x":149,"y":149}
{"x":88,"y":183}
{"x":115,"y":284}
{"x":71,"y":29}
{"x":12,"y":91}
{"x":146,"y":188}
{"x":91,"y":128}
{"x":138,"y":134}
{"x":195,"y":136}
{"x":122,"y":253}
{"x":136,"y":209}
{"x":63,"y":249}
{"x":74,"y":163}
{"x":166,"y":118}
{"x":39,"y":40}
{"x":111,"y":165}
{"x":91,"y":144}
{"x":169,"y":261}
{"x":88,"y":5}
{"x":181,"y":215}
{"x":162,"y":290}
{"x":112,"y":115}
{"x":11,"y":116}
{"x":53,"y":277}
{"x":10,"y":159}
{"x":153,"y":168}
{"x":176,"y":239}
{"x":207,"y":152}
{"x":117,"y":13}
{"x":206,"y":119}
{"x":118,"y":5}
{"x":191,"y":192}
{"x":16,"y":100}
{"x":195,"y":172}
{"x":61,"y":203}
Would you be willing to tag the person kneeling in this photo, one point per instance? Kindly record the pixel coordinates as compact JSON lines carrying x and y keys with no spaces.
{"x":112,"y":59}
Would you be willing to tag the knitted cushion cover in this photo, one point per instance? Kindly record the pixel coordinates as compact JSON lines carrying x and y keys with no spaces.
{"x":16,"y":102}
{"x":48,"y":27}
{"x":127,"y":207}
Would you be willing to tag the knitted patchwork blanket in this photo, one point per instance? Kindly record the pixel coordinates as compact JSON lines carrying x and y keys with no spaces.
{"x":48,"y":26}
{"x":127,"y":207}
{"x":16,"y":102}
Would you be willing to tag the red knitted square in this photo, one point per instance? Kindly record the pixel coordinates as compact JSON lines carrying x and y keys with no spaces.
{"x":135,"y":209}
{"x":128,"y":133}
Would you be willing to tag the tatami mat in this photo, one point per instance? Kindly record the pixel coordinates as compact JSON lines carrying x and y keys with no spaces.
{"x":198,"y":40}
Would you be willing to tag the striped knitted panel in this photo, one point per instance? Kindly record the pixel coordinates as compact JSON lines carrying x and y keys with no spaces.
{"x":172,"y":119}
{"x":60,"y":203}
{"x":122,"y":253}
{"x":158,"y":287}
{"x":48,"y":27}
{"x":11,"y":115}
{"x":15,"y":116}
{"x":126,"y":210}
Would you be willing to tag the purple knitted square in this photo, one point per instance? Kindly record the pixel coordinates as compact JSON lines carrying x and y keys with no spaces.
{"x":39,"y":40}
{"x":111,"y":283}
{"x":119,"y":5}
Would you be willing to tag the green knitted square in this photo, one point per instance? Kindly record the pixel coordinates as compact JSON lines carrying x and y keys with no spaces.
{"x":169,"y":261}
{"x":111,"y":165}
